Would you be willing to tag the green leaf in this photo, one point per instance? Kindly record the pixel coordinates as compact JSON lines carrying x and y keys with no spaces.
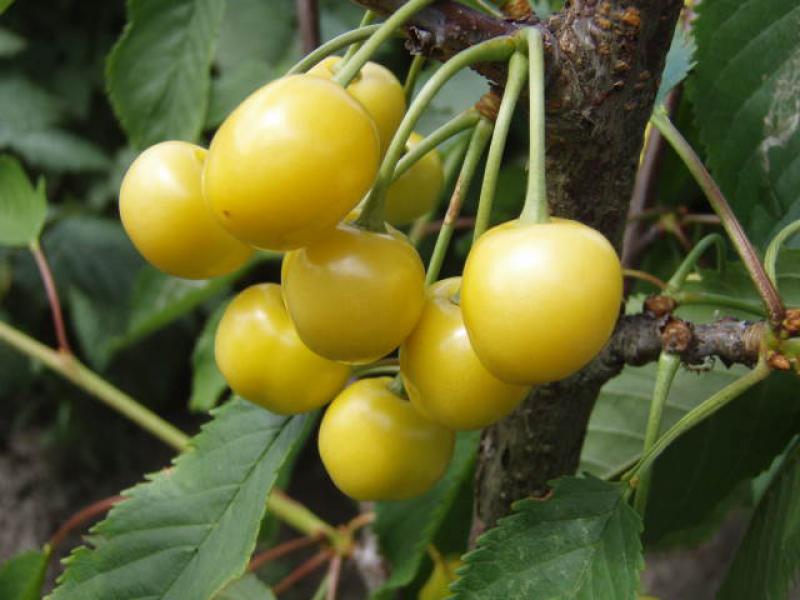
{"x":22,"y":208}
{"x":22,"y":576}
{"x":680,"y":60}
{"x":59,"y":150}
{"x":257,"y":30}
{"x":768,"y":558}
{"x":703,"y":467}
{"x":158,"y":73}
{"x":582,"y":542}
{"x":10,"y":43}
{"x":406,"y":528}
{"x":207,"y":382}
{"x":188,"y":532}
{"x":745,"y":94}
{"x":234,"y":85}
{"x":4,"y":4}
{"x":248,"y":587}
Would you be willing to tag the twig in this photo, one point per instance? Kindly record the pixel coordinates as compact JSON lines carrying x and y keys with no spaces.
{"x":304,"y":570}
{"x":644,"y":276}
{"x":259,"y":560}
{"x":308,"y":17}
{"x":52,"y":297}
{"x":334,"y":571}
{"x":79,"y":518}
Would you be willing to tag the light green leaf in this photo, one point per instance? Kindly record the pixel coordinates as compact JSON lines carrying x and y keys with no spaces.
{"x":680,"y":60}
{"x":746,"y":97}
{"x":257,"y":30}
{"x":768,"y":558}
{"x":581,"y":542}
{"x":406,"y":528}
{"x":10,"y":43}
{"x":188,"y":532}
{"x":248,"y":587}
{"x":158,"y":74}
{"x":207,"y":382}
{"x":22,"y":576}
{"x":22,"y":208}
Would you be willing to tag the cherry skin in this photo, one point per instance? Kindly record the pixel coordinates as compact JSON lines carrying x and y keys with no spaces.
{"x":540,"y":300}
{"x":164,"y":214}
{"x":377,"y":89}
{"x":354,"y":295}
{"x":263,"y":360}
{"x":416,"y":191}
{"x":376,"y":446}
{"x":290,"y":162}
{"x":442,"y":374}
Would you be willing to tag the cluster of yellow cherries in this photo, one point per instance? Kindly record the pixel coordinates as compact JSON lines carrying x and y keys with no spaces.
{"x":284,"y":173}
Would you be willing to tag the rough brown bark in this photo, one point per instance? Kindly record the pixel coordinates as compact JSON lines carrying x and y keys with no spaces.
{"x":604,"y":60}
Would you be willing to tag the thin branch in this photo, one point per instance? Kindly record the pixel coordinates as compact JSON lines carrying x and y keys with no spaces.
{"x":52,"y":297}
{"x":262,"y":558}
{"x":334,"y":571}
{"x":303,"y":571}
{"x":81,"y":517}
{"x":308,"y":18}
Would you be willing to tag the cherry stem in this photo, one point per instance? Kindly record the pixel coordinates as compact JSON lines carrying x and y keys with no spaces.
{"x":535,"y":209}
{"x":491,"y":50}
{"x":296,"y":515}
{"x":368,"y":18}
{"x":453,"y":127}
{"x":709,"y":299}
{"x":52,"y":296}
{"x":303,"y":571}
{"x":667,"y":369}
{"x":334,"y":45}
{"x":80,"y":518}
{"x":677,"y":281}
{"x":645,"y":276}
{"x":697,"y":415}
{"x":352,"y":67}
{"x":517,"y":73}
{"x":771,"y":255}
{"x":262,"y":558}
{"x":413,"y":73}
{"x":772,"y":300}
{"x":480,"y":137}
{"x":334,"y":571}
{"x":308,"y":17}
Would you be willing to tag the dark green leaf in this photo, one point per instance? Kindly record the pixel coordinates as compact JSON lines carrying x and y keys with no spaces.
{"x":768,"y":559}
{"x":59,"y":150}
{"x":207,"y":382}
{"x":680,"y":60}
{"x":4,"y":4}
{"x":582,"y":542}
{"x":746,"y":95}
{"x":10,"y":43}
{"x":406,"y":528}
{"x":21,"y":577}
{"x":257,"y":30}
{"x":158,"y":74}
{"x":23,"y":208}
{"x":248,"y":587}
{"x":188,"y":532}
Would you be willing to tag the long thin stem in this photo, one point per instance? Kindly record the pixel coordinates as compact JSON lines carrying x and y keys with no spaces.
{"x":262,"y":558}
{"x":298,"y":516}
{"x":491,"y":50}
{"x":453,"y":127}
{"x":699,"y":414}
{"x":452,"y":162}
{"x":322,"y":590}
{"x":369,"y":17}
{"x":303,"y":571}
{"x":73,"y":370}
{"x":477,"y":145}
{"x":334,"y":571}
{"x":645,"y":276}
{"x":80,"y":518}
{"x":331,"y":47}
{"x":709,"y":299}
{"x":690,"y":262}
{"x":771,"y":255}
{"x":386,"y":30}
{"x":535,"y":209}
{"x":52,"y":296}
{"x":667,"y":369}
{"x":413,"y":73}
{"x":517,"y":73}
{"x":767,"y":291}
{"x":308,"y":17}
